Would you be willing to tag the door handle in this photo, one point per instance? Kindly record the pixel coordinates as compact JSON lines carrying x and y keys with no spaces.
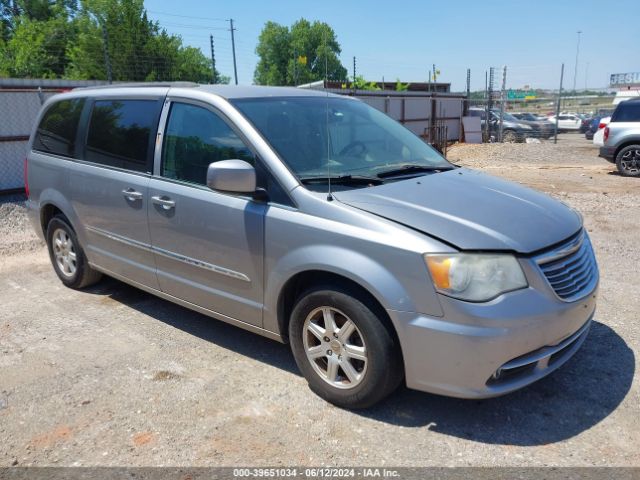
{"x":166,"y":203}
{"x":132,"y":195}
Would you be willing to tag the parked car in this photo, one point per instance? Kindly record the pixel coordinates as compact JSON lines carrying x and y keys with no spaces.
{"x":567,"y":122}
{"x":513,"y":130}
{"x":598,"y":136}
{"x":542,"y":128}
{"x":318,"y":221}
{"x":594,"y":122}
{"x":584,"y":124}
{"x":622,"y":138}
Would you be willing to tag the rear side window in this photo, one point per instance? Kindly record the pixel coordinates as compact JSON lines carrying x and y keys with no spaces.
{"x":194,"y":138}
{"x":627,"y":112}
{"x":119,"y":133}
{"x":57,"y":130}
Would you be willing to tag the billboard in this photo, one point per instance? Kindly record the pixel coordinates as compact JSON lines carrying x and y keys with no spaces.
{"x":625,"y":79}
{"x":521,"y":94}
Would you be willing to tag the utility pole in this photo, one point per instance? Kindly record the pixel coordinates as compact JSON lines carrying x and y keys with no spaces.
{"x":487,"y":121}
{"x":107,"y":59}
{"x":466,"y":107}
{"x":555,"y":137}
{"x":486,"y":84}
{"x":214,"y":77}
{"x":354,"y":75}
{"x":233,"y":49}
{"x":575,"y":71}
{"x":502,"y":99}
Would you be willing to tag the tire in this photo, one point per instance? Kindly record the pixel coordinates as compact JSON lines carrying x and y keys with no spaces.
{"x":67,"y":257}
{"x":335,"y":375}
{"x":509,"y":136}
{"x":628,"y":161}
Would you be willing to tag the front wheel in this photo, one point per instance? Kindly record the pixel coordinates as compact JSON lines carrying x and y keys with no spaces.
{"x":348,"y":354}
{"x":628,"y":161}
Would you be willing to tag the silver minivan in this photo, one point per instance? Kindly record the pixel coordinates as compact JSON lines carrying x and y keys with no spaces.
{"x":316,"y":220}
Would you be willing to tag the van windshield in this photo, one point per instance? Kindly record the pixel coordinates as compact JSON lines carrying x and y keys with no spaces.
{"x":320,"y":136}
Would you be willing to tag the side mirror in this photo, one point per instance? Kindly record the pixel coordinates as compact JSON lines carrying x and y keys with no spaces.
{"x":235,"y":176}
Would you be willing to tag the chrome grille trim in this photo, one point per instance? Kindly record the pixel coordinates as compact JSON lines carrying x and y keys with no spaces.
{"x":570,"y":269}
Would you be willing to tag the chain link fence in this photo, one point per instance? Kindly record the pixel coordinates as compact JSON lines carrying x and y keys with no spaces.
{"x":19,"y":110}
{"x":512,"y":111}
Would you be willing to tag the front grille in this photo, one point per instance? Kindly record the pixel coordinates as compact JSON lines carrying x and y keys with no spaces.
{"x":571,"y":268}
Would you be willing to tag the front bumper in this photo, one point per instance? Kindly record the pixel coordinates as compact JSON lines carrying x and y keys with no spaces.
{"x":608,"y":153}
{"x":485,"y":350}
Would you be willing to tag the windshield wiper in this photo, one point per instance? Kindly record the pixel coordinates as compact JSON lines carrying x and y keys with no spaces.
{"x":411,"y":169}
{"x":342,"y":180}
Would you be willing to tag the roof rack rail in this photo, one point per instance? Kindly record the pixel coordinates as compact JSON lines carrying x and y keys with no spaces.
{"x":142,"y":84}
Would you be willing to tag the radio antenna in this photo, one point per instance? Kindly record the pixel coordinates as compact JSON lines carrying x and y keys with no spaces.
{"x":326,"y":74}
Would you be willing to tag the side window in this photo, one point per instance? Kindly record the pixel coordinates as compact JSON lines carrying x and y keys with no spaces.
{"x":57,"y":130}
{"x":194,"y":138}
{"x":119,"y":132}
{"x":627,"y":112}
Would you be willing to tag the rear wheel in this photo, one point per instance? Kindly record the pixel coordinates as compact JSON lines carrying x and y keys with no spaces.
{"x":347,"y":353}
{"x":509,"y":136}
{"x":628,"y":161}
{"x":67,"y":256}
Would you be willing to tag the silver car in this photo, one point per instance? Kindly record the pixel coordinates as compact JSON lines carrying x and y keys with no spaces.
{"x":316,"y":220}
{"x":622,"y":138}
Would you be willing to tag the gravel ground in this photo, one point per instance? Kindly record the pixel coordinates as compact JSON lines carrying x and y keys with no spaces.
{"x":16,"y":233}
{"x":114,"y":376}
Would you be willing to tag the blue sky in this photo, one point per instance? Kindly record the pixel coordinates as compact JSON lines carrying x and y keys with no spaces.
{"x":403,"y":39}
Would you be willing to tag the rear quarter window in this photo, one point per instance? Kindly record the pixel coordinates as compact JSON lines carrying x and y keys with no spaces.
{"x":627,"y":112}
{"x":58,"y":128}
{"x":120,"y":132}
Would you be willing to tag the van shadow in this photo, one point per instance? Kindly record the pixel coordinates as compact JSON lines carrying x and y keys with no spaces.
{"x":583,"y":392}
{"x":218,"y":332}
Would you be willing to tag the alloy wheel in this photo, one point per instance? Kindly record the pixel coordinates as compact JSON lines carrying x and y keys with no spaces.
{"x":64,"y":252}
{"x":630,"y":162}
{"x":335,"y":347}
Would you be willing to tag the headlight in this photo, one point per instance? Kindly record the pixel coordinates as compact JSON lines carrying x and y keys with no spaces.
{"x":525,"y":127}
{"x":475,"y":277}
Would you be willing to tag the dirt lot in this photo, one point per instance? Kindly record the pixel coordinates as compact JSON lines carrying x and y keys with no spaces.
{"x":114,"y":376}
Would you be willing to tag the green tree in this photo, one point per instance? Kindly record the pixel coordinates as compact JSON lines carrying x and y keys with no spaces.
{"x":300,"y":54}
{"x":36,"y":44}
{"x":58,"y":38}
{"x":139,"y":50}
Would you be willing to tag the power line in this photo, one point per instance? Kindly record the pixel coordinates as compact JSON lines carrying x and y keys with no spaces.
{"x":188,"y":16}
{"x":190,"y":26}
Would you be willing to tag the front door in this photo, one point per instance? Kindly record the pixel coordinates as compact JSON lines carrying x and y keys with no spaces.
{"x":208,"y":245}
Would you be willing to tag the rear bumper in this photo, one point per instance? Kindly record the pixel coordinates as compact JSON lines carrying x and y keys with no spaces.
{"x":608,"y":153}
{"x":33,"y":214}
{"x":487,"y":350}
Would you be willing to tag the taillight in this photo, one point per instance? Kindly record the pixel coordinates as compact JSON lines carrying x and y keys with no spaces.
{"x":606,"y":133}
{"x":601,"y":125}
{"x":26,"y":177}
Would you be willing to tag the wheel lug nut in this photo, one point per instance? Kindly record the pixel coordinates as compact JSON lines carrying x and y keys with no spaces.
{"x":335,"y":335}
{"x":329,"y":352}
{"x":326,"y":339}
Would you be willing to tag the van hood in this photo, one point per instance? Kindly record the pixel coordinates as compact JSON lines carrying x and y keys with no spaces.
{"x":470,"y":210}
